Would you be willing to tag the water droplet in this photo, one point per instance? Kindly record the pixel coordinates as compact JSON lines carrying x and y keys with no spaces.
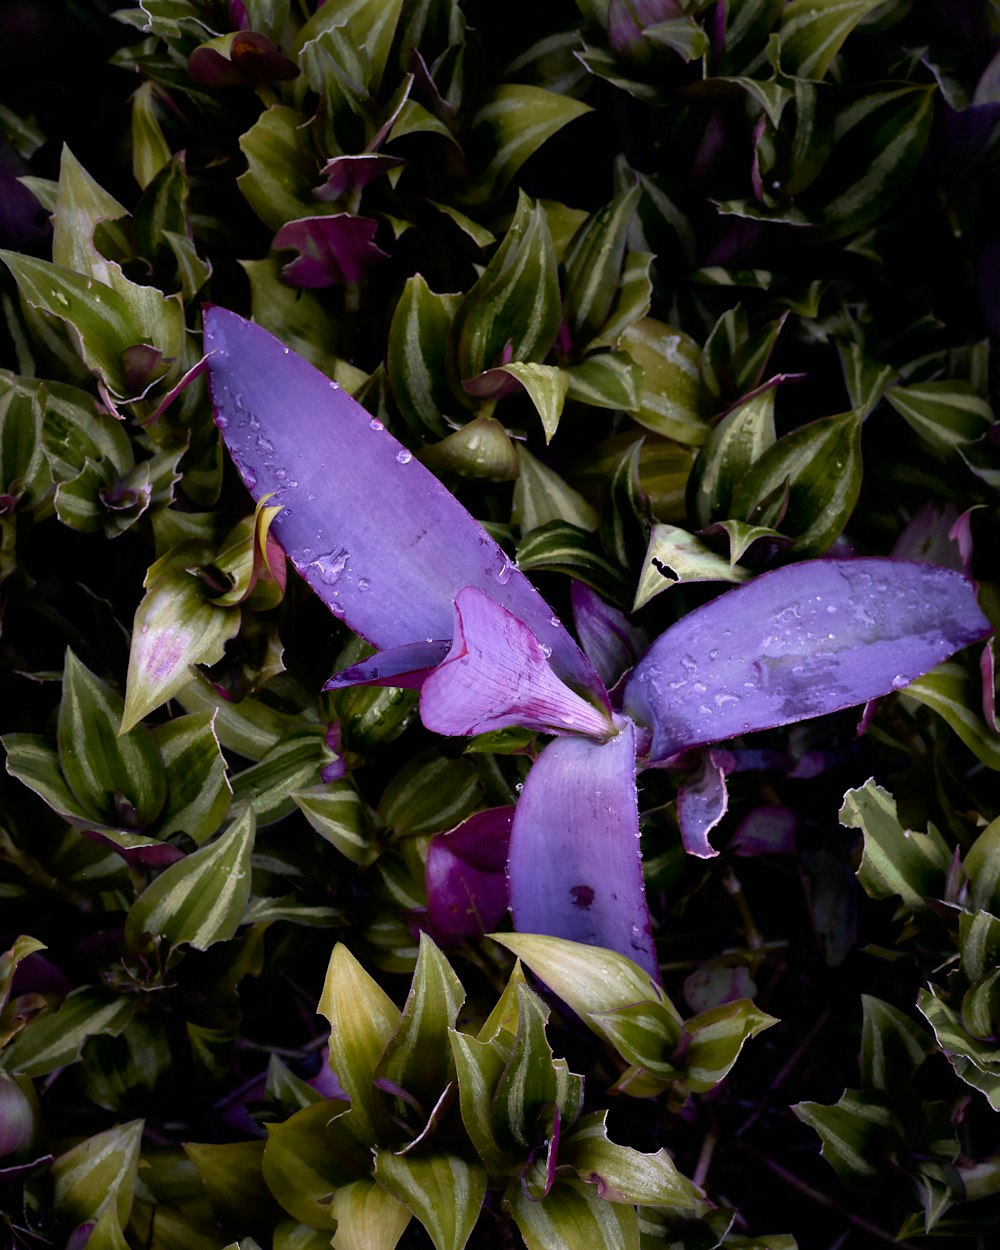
{"x":831,"y":636}
{"x":831,"y":608}
{"x":503,"y":572}
{"x":726,"y":700}
{"x":376,"y":424}
{"x":689,"y":664}
{"x":404,"y":455}
{"x":334,"y":386}
{"x":62,"y":299}
{"x":292,"y":483}
{"x":699,"y":687}
{"x":254,"y":422}
{"x":281,"y":474}
{"x":221,"y":421}
{"x":250,"y":477}
{"x":546,"y":651}
{"x":519,"y":787}
{"x":364,"y":584}
{"x":331,"y":565}
{"x":899,"y":681}
{"x":714,"y":653}
{"x":265,"y":446}
{"x":705,"y":710}
{"x":555,"y":622}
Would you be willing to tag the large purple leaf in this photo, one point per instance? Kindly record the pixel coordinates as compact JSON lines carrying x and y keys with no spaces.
{"x":574,"y":866}
{"x":611,"y":642}
{"x":333,"y":251}
{"x":799,"y":642}
{"x":497,"y":675}
{"x":381,"y":541}
{"x":466,"y":882}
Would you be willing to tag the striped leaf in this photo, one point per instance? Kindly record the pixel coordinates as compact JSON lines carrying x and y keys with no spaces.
{"x":278,"y":183}
{"x":417,"y":1058}
{"x":479,"y":1065}
{"x":309,"y":1156}
{"x":895,"y":861}
{"x":892,"y":1046}
{"x":56,"y":1038}
{"x":731,"y":449}
{"x":482,"y":448}
{"x":716,"y":1037}
{"x":812,"y":32}
{"x":430,"y":794}
{"x":294,"y":1235}
{"x":119,"y":777}
{"x":338,"y":813}
{"x":857,"y":1133}
{"x":645,"y":1034}
{"x":368,"y":1217}
{"x":24,"y":471}
{"x":100,"y":1171}
{"x":514,"y":122}
{"x":818,"y":467}
{"x":293,"y":764}
{"x":372,"y":27}
{"x":200,"y":900}
{"x":979,"y":942}
{"x":606,"y":380}
{"x":982,"y":866}
{"x":416,"y":357}
{"x":945,"y":414}
{"x":362,"y":1019}
{"x":250,"y":728}
{"x":541,"y":495}
{"x":955,"y":694}
{"x":865,"y":378}
{"x":232,"y":1174}
{"x":974,"y":1062}
{"x":571,"y":1216}
{"x":107,"y":1233}
{"x":594,"y":263}
{"x":443,"y":1191}
{"x":631,"y":302}
{"x":562,"y":548}
{"x":34,"y":762}
{"x":198,"y":789}
{"x":624,"y":521}
{"x":675,"y":556}
{"x":546,"y":386}
{"x":671,"y":403}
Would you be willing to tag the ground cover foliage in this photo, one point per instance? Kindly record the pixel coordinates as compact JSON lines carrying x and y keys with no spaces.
{"x":670,"y":297}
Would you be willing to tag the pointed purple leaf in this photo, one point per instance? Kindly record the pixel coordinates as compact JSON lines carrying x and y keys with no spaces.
{"x":353,"y":173}
{"x":702,"y":801}
{"x":333,"y":251}
{"x":408,"y":666}
{"x":466,"y":882}
{"x":765,"y":831}
{"x":610,"y":641}
{"x":799,"y":642}
{"x":497,"y":675}
{"x":574,"y":865}
{"x":382,"y":542}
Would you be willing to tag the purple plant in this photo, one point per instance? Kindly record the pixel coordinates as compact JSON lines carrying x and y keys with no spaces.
{"x":395,"y":556}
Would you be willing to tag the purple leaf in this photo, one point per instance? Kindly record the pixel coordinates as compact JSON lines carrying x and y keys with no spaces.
{"x":627,"y":19}
{"x":253,"y":61}
{"x":352,"y":173}
{"x":799,"y":642}
{"x":611,"y":642}
{"x":382,"y":542}
{"x":408,"y":666}
{"x":766,"y":831}
{"x":574,"y":866}
{"x":702,"y":801}
{"x":927,"y":537}
{"x":466,"y":882}
{"x":497,"y":675}
{"x":136,"y":850}
{"x":333,"y":250}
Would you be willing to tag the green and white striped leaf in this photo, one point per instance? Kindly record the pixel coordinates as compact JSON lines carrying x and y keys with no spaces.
{"x":362,"y":1019}
{"x":671,"y":403}
{"x":541,"y":496}
{"x":232,"y":1174}
{"x":892,"y":1046}
{"x":974,"y":1062}
{"x":731,"y":449}
{"x":895,"y":861}
{"x":632,"y":300}
{"x":101,"y":1171}
{"x":338,"y":813}
{"x":645,"y":1034}
{"x":562,"y":548}
{"x":368,"y":1217}
{"x":481,"y":448}
{"x":865,"y":378}
{"x":75,"y":430}
{"x":743,"y":536}
{"x":150,"y":150}
{"x":857,"y":1133}
{"x":416,"y":358}
{"x":107,"y":1232}
{"x":309,"y":1156}
{"x":443,"y":1191}
{"x":250,"y":728}
{"x":512,"y":124}
{"x":56,"y":1038}
{"x":818,"y":467}
{"x":115,"y":1070}
{"x":198,"y":789}
{"x":24,"y":470}
{"x":812,"y":32}
{"x":955,"y":694}
{"x":571,"y":1216}
{"x":945,"y":414}
{"x":294,"y":1235}
{"x":119,"y":777}
{"x":35,"y":762}
{"x":624,"y":519}
{"x":594,"y":264}
{"x":278,"y":183}
{"x":606,"y":380}
{"x":372,"y":26}
{"x":9,"y":959}
{"x":200,"y":900}
{"x":716,"y":1039}
{"x":546,"y":386}
{"x":479,"y":1065}
{"x":982,"y":866}
{"x":979,"y":943}
{"x":675,"y":556}
{"x":293,"y":764}
{"x":430,"y":794}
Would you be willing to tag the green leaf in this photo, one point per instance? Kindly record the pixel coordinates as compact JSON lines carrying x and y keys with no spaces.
{"x":624,"y":1175}
{"x":819,"y":466}
{"x":368,"y":1217}
{"x":812,"y":32}
{"x":374,"y":715}
{"x":443,"y":1191}
{"x":982,"y":866}
{"x":514,"y":307}
{"x":606,"y":380}
{"x":296,"y":762}
{"x":479,"y":1065}
{"x":107,"y":1232}
{"x":512,"y":124}
{"x":199,"y":900}
{"x":541,"y":496}
{"x":309,"y":1156}
{"x":857,"y":1133}
{"x":24,"y":470}
{"x":624,"y":521}
{"x":974,"y":1062}
{"x":955,"y":693}
{"x":416,"y":357}
{"x":251,"y":728}
{"x":979,"y":942}
{"x":233,"y":1177}
{"x":594,"y":264}
{"x":482,"y":448}
{"x":101,"y":1171}
{"x":671,"y":403}
{"x":895,"y":860}
{"x":716,"y":1039}
{"x":362,"y":1019}
{"x":892,"y":1047}
{"x":571,"y":1216}
{"x":175,"y":627}
{"x":120,"y":1070}
{"x":546,"y":386}
{"x":372,"y":26}
{"x":675,"y":556}
{"x":742,"y":536}
{"x":731,"y":449}
{"x":562,"y":548}
{"x":632,"y":300}
{"x":198,"y":789}
{"x":117,"y":777}
{"x":338,"y":813}
{"x":35,"y":762}
{"x":430,"y":794}
{"x":280,"y":172}
{"x":865,"y":378}
{"x":55,"y":1039}
{"x":946,"y":415}
{"x":645,"y":1034}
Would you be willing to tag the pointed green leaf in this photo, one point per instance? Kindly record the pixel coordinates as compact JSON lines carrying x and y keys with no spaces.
{"x":645,"y":1034}
{"x":734,"y":445}
{"x":56,"y":1038}
{"x":107,"y":1233}
{"x":571,"y":1216}
{"x":945,"y":414}
{"x":895,"y":860}
{"x":251,"y":728}
{"x":280,"y":174}
{"x":624,"y":521}
{"x":118,"y":777}
{"x":24,"y":471}
{"x":541,"y":495}
{"x":982,"y":866}
{"x":675,"y":556}
{"x":955,"y":694}
{"x":198,"y":789}
{"x":368,"y":1217}
{"x":100,"y":1171}
{"x":444,"y":1192}
{"x":606,"y":380}
{"x":892,"y":1047}
{"x":716,"y":1039}
{"x":309,"y":1156}
{"x":812,"y":32}
{"x":416,"y":357}
{"x":338,"y":813}
{"x":150,"y":150}
{"x":865,"y":378}
{"x":482,"y":448}
{"x":362,"y":1019}
{"x":35,"y":762}
{"x":974,"y":1062}
{"x":546,"y":386}
{"x":562,"y":548}
{"x":199,"y":900}
{"x":632,"y":300}
{"x":430,"y":794}
{"x":479,"y":1065}
{"x":857,"y":1133}
{"x":594,"y":263}
{"x":742,"y":536}
{"x":979,"y":942}
{"x":671,"y":403}
{"x":372,"y":25}
{"x":232,"y":1174}
{"x":294,"y":763}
